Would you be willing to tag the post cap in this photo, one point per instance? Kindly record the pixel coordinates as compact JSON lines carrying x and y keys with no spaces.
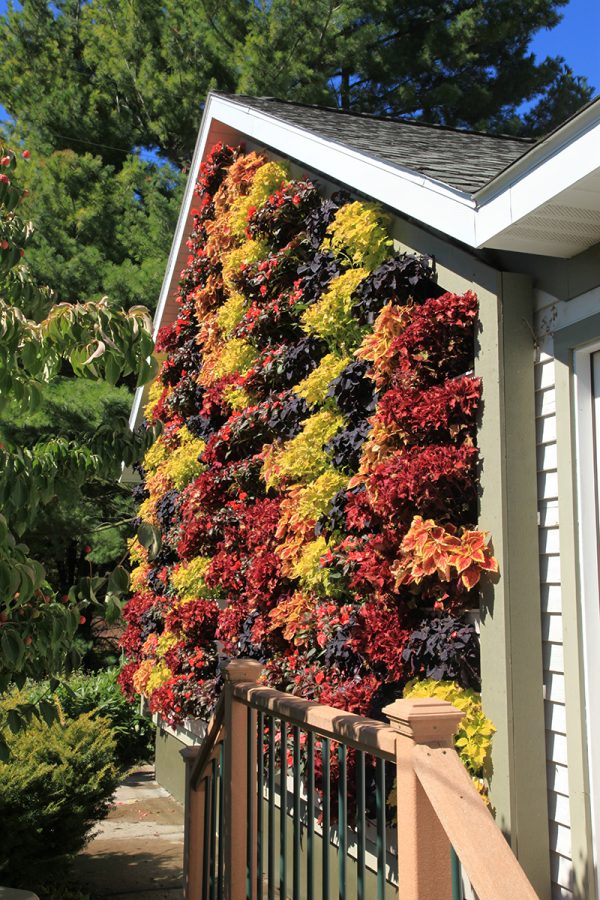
{"x":189,"y":754}
{"x":242,"y":670}
{"x":424,"y":719}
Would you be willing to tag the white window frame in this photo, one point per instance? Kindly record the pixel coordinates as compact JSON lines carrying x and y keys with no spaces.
{"x":587,"y":434}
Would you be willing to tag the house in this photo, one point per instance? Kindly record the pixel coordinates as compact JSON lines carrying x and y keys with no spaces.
{"x":518,"y":223}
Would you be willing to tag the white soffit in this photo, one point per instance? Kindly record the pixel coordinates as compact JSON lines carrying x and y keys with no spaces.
{"x":548,"y":201}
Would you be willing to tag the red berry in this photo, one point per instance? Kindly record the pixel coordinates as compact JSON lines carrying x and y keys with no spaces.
{"x":4,"y":245}
{"x":82,"y":620}
{"x":4,"y":179}
{"x":87,"y":549}
{"x":26,"y":154}
{"x":5,"y":161}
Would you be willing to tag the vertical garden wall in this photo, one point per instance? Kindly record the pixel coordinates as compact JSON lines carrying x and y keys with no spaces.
{"x":312,"y":501}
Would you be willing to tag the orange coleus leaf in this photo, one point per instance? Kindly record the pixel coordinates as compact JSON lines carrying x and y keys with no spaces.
{"x":470,"y":577}
{"x":489,"y":564}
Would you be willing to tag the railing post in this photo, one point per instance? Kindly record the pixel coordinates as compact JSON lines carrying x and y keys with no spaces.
{"x":424,"y":870}
{"x":194,"y":829}
{"x":237,"y":815}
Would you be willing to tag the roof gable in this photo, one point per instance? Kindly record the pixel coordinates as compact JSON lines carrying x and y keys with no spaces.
{"x":466,"y":160}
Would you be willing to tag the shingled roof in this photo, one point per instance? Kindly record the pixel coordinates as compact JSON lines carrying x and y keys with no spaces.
{"x":466,"y":160}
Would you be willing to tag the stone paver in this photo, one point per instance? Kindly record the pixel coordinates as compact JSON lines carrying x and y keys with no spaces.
{"x":137,"y":852}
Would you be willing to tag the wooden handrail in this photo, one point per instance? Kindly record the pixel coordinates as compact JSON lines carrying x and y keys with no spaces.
{"x":211,"y":739}
{"x":437,"y":807}
{"x":475,"y":836}
{"x":326,"y":721}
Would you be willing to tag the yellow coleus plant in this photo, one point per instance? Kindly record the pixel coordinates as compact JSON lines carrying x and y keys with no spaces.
{"x":183,"y":465}
{"x":314,"y":387}
{"x":137,"y":552}
{"x":473,"y":739}
{"x":300,"y":509}
{"x":230,"y":314}
{"x":237,"y":397}
{"x":302,"y":458}
{"x":235,"y":358}
{"x":156,"y":455}
{"x":166,"y":640}
{"x":265,"y":182}
{"x":159,"y":674}
{"x":237,"y":181}
{"x":309,"y":571}
{"x":331,"y":316}
{"x":249,"y":252}
{"x":154,"y":394}
{"x":358,"y":235}
{"x":188,"y":581}
{"x":138,"y":578}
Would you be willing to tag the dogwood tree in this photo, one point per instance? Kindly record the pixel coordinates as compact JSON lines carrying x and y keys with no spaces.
{"x":39,"y":338}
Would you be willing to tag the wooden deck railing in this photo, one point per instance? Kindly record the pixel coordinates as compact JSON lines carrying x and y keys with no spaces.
{"x":262,"y":821}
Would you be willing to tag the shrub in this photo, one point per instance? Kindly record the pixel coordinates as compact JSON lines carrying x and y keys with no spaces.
{"x":99,"y":695}
{"x":56,"y":784}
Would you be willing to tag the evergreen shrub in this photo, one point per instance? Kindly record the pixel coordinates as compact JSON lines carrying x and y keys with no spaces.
{"x":99,"y":694}
{"x":54,"y":787}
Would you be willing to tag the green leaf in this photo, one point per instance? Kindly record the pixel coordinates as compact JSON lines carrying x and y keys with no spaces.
{"x":4,"y":750}
{"x":118,"y":581}
{"x":150,"y":538}
{"x":48,"y":712}
{"x":15,"y":723}
{"x":112,"y":369}
{"x":13,"y":647}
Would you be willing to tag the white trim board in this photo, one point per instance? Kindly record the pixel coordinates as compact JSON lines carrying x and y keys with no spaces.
{"x":587,"y":425}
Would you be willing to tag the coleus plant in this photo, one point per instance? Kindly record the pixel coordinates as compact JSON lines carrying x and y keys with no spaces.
{"x":328,"y":522}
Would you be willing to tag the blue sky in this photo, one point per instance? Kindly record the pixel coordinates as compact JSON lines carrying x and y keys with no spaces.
{"x":576,"y":38}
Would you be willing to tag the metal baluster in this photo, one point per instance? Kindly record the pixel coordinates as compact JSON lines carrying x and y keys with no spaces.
{"x":213,"y":831}
{"x":457,"y":891}
{"x":221,"y":826}
{"x":283,"y":814}
{"x":250,"y":774}
{"x":310,"y":815}
{"x":325,"y":762}
{"x":360,"y":824}
{"x":342,"y":823}
{"x":296,"y":882}
{"x":380,"y":809}
{"x":260,"y":776}
{"x":271,"y":848}
{"x":206,"y":838}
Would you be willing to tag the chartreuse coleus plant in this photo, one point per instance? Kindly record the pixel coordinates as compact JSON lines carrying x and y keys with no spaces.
{"x":312,"y":501}
{"x":37,"y":337}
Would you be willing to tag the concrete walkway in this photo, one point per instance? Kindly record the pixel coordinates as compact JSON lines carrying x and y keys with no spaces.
{"x":137,"y":852}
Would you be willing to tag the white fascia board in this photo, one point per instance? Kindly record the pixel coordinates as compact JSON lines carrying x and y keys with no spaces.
{"x":538,"y":178}
{"x":183,"y":220}
{"x":180,"y":235}
{"x":431,"y":202}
